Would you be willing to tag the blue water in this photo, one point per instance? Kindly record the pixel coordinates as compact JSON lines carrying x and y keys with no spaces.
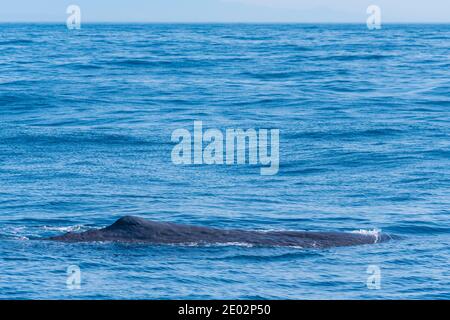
{"x":85,"y":138}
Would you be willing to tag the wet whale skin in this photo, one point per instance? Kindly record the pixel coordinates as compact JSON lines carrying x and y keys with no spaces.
{"x":134,"y":229}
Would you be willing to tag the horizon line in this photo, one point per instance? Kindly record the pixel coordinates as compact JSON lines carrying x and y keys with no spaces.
{"x":225,"y":22}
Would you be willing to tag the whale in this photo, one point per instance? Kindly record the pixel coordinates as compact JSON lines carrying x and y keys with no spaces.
{"x":131,"y":229}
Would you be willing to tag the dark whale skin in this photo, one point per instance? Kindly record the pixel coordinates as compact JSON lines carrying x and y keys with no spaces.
{"x":138,"y":230}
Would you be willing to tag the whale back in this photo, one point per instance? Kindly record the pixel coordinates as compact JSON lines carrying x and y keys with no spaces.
{"x":135,"y":229}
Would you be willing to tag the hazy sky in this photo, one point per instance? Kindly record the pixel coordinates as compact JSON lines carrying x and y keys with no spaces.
{"x":226,"y":10}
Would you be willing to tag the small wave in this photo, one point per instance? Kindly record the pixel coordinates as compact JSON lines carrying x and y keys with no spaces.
{"x":357,"y":57}
{"x":287,"y":256}
{"x":13,"y":233}
{"x":420,"y":228}
{"x":151,"y":63}
{"x":35,"y":232}
{"x":78,"y":66}
{"x":343,"y":134}
{"x":21,"y":238}
{"x":16,"y":42}
{"x":76,"y":138}
{"x":271,"y":75}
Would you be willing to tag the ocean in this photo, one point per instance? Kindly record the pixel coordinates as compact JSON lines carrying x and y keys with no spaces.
{"x":86,"y":118}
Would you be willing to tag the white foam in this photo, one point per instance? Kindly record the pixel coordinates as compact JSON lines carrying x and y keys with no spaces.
{"x":376,"y":233}
{"x":14,"y":232}
{"x":64,"y":229}
{"x":22,"y":238}
{"x":294,"y":247}
{"x":214,"y":244}
{"x":235,"y":244}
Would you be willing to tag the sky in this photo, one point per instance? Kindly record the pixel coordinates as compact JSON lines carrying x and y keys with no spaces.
{"x":332,"y":11}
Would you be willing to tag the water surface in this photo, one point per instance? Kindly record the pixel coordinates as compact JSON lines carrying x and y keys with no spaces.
{"x":85,"y":127}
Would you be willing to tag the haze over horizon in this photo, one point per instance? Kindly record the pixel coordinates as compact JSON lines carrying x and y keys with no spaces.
{"x":325,"y":11}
